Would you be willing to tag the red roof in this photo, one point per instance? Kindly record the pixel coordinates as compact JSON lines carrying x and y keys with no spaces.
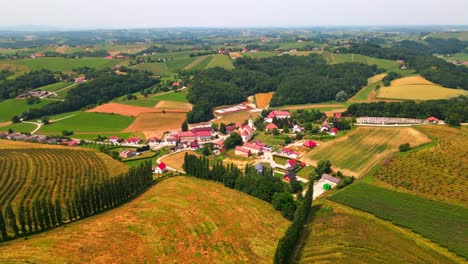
{"x":133,"y":140}
{"x":162,"y":166}
{"x":432,"y":118}
{"x":153,"y":139}
{"x":310,"y":144}
{"x":186,"y":134}
{"x":114,"y":137}
{"x":287,"y":150}
{"x":241,"y":149}
{"x":203,"y":134}
{"x":252,"y":146}
{"x":175,"y":83}
{"x":230,"y":128}
{"x":292,"y":162}
{"x":275,"y":113}
{"x":271,"y":126}
{"x":335,"y":130}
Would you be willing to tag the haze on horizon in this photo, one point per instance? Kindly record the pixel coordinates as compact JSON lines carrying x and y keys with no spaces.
{"x":68,"y":14}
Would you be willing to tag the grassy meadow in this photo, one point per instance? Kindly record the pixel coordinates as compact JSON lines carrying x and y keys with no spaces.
{"x":222,"y":61}
{"x":61,"y":64}
{"x":157,"y":68}
{"x":199,"y":64}
{"x":171,"y":96}
{"x":54,"y":87}
{"x":442,"y":223}
{"x":19,"y":127}
{"x":12,"y":107}
{"x":182,"y":219}
{"x":417,"y":88}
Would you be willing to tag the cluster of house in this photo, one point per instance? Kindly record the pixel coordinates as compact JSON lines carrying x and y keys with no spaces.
{"x":37,"y":55}
{"x":193,"y":136}
{"x":395,"y":120}
{"x":39,"y":139}
{"x":129,"y":141}
{"x":80,"y":80}
{"x":36,"y":93}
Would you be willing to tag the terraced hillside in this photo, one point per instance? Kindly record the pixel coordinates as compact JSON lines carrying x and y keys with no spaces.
{"x":180,"y":220}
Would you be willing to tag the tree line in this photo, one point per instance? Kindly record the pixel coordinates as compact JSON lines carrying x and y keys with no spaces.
{"x":26,"y":82}
{"x":104,"y":88}
{"x":42,"y":214}
{"x":296,"y":80}
{"x":454,"y":108}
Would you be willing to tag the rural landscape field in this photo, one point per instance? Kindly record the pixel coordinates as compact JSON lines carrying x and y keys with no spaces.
{"x":196,"y":132}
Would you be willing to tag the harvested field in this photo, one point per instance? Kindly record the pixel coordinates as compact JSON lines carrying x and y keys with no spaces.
{"x":122,"y":109}
{"x":155,"y":124}
{"x":235,"y":55}
{"x":172,"y":106}
{"x":177,"y":160}
{"x":263,"y":99}
{"x":180,"y":220}
{"x":417,"y":88}
{"x":237,"y":117}
{"x":363,"y":147}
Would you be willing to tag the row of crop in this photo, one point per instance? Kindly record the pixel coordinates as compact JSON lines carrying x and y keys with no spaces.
{"x":42,"y":214}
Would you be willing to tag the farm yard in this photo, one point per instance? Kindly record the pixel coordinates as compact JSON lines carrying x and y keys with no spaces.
{"x":155,"y":124}
{"x":362,"y":148}
{"x":417,"y":88}
{"x":442,"y":223}
{"x":339,"y":234}
{"x":438,"y":172}
{"x":181,"y":219}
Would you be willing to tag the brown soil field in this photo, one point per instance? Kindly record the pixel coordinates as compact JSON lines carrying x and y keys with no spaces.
{"x":121,"y":109}
{"x":177,"y":160}
{"x":263,"y":99}
{"x":237,"y":117}
{"x":171,"y":106}
{"x":155,"y":124}
{"x":180,"y":220}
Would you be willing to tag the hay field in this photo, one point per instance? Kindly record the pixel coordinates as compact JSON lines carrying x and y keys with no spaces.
{"x":417,"y":88}
{"x":263,"y":99}
{"x":339,"y":234}
{"x":237,"y":117}
{"x":180,"y":220}
{"x":437,"y":172}
{"x":155,"y":124}
{"x":363,"y":147}
{"x":172,"y":106}
{"x":177,"y":160}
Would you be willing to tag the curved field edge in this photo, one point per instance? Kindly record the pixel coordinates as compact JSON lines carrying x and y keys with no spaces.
{"x":340,"y":234}
{"x":181,"y":219}
{"x":442,"y":223}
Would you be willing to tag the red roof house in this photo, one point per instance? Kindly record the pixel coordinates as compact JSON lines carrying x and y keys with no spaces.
{"x":161,"y":168}
{"x":309,"y":144}
{"x":271,"y":126}
{"x":175,"y":84}
{"x":291,"y":164}
{"x":277,"y":115}
{"x":432,"y":119}
{"x":133,"y":140}
{"x":243,"y":152}
{"x":254,"y":148}
{"x":335,"y":131}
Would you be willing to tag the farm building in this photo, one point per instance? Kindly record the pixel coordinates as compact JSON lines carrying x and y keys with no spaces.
{"x":203,"y":135}
{"x":298,"y":129}
{"x":259,"y":167}
{"x":243,"y":152}
{"x":432,"y":120}
{"x":230,"y":128}
{"x":270,"y":127}
{"x":278,"y":115}
{"x":160,"y":169}
{"x":127,"y":153}
{"x":133,"y":141}
{"x":387,"y":120}
{"x":152,"y":140}
{"x":80,"y":80}
{"x":254,"y":148}
{"x":114,"y":139}
{"x":330,"y":178}
{"x":334,"y":131}
{"x":288,"y":177}
{"x":232,"y":110}
{"x":309,"y":144}
{"x":194,"y":145}
{"x":291,"y":164}
{"x":288,"y":152}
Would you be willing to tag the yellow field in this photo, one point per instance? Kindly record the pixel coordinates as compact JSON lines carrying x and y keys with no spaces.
{"x":170,"y":106}
{"x":363,"y":147}
{"x":263,"y":99}
{"x":177,"y":160}
{"x":180,"y":220}
{"x":376,"y":78}
{"x":417,"y":88}
{"x":237,"y":117}
{"x":155,"y":124}
{"x":235,"y":55}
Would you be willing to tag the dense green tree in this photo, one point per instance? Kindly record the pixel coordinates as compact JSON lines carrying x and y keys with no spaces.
{"x":3,"y":229}
{"x":232,"y":141}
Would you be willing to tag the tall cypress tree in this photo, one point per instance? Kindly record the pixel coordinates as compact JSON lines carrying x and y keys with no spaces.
{"x":39,"y":213}
{"x":12,"y":219}
{"x":3,"y":227}
{"x":29,"y":218}
{"x":45,"y":212}
{"x":58,"y":211}
{"x":22,"y":218}
{"x":53,"y":221}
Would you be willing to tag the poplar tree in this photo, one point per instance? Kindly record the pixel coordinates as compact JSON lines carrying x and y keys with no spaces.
{"x":22,"y":218}
{"x":3,"y":227}
{"x":12,"y":219}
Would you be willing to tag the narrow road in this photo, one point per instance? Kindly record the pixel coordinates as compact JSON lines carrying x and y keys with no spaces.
{"x":55,"y":93}
{"x":39,"y":125}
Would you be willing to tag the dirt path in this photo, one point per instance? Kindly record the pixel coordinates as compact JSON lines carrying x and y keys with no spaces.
{"x":39,"y":125}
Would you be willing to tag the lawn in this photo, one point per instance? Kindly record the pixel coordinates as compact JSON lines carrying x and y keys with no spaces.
{"x":339,"y":234}
{"x":89,"y":123}
{"x":280,"y":160}
{"x":222,"y":61}
{"x":363,"y":147}
{"x":417,"y":88}
{"x":93,"y":136}
{"x":442,"y":223}
{"x":157,"y":68}
{"x":20,"y":127}
{"x":269,"y":139}
{"x":12,"y":107}
{"x":171,"y":96}
{"x":179,"y":220}
{"x":306,"y":172}
{"x":437,"y":172}
{"x":65,"y":64}
{"x":54,"y":87}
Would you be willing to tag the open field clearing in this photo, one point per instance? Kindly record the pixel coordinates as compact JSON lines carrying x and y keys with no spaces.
{"x":417,"y":88}
{"x":199,"y":64}
{"x":263,"y":99}
{"x":363,"y":147}
{"x":438,"y":172}
{"x":453,"y":57}
{"x":172,"y":96}
{"x":88,"y":122}
{"x":442,"y":223}
{"x":157,"y":68}
{"x":182,"y":219}
{"x":12,"y":107}
{"x":171,"y":106}
{"x":143,"y":102}
{"x":235,"y":55}
{"x":122,"y":109}
{"x":462,"y":35}
{"x":236,"y":117}
{"x":64,"y":64}
{"x":19,"y":127}
{"x":176,"y":160}
{"x":222,"y":61}
{"x":339,"y":234}
{"x":35,"y":170}
{"x":155,"y":124}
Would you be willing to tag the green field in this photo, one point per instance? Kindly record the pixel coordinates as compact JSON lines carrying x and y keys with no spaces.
{"x":261,"y":54}
{"x":11,"y":107}
{"x":64,"y":64}
{"x":157,"y":68}
{"x":457,"y":56}
{"x":89,"y":122}
{"x":389,"y":65}
{"x":20,"y":127}
{"x":442,"y":223}
{"x":362,"y":148}
{"x":222,"y":61}
{"x":271,"y":140}
{"x":463,"y":35}
{"x":172,"y":96}
{"x":199,"y":64}
{"x":139,"y":102}
{"x":54,"y":87}
{"x":178,"y":64}
{"x":365,"y":93}
{"x":339,"y":234}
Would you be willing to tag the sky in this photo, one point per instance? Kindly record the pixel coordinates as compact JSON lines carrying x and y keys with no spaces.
{"x":238,"y":13}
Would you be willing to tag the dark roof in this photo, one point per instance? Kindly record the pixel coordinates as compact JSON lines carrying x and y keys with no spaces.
{"x":259,"y":166}
{"x":328,"y":177}
{"x":291,"y":175}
